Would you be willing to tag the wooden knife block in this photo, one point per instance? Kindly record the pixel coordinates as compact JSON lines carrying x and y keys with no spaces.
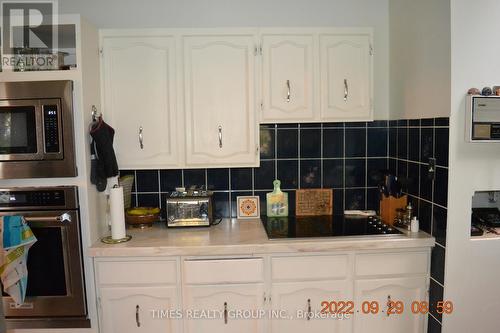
{"x":389,"y":206}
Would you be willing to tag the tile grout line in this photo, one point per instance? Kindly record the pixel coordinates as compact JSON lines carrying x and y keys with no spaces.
{"x":298,"y":157}
{"x":253,"y":181}
{"x":270,"y":189}
{"x":419,"y":158}
{"x":136,"y":186}
{"x":229,"y":205}
{"x":206,"y":179}
{"x":366,"y":166}
{"x":439,"y":283}
{"x":321,"y":154}
{"x":436,"y":243}
{"x":343,"y":169}
{"x":427,"y":201}
{"x":159,"y":188}
{"x":388,"y":147}
{"x":430,"y":314}
{"x":275,"y":151}
{"x":434,"y":178}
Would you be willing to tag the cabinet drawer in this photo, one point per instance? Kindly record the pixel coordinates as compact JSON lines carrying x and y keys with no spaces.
{"x":392,"y":263}
{"x":310,"y":268}
{"x":137,"y":272}
{"x":223,"y":271}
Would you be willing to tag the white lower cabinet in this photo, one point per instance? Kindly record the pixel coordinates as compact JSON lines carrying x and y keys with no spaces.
{"x":383,"y":291}
{"x":138,"y":309}
{"x":271,"y":293}
{"x":302,"y":302}
{"x":229,"y":308}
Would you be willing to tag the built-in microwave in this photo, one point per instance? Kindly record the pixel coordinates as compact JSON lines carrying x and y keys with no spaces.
{"x":483,"y":119}
{"x":36,"y":130}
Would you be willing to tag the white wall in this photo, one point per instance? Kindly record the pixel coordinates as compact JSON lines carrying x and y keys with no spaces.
{"x":472,"y":266}
{"x":419,"y":58}
{"x":227,"y":13}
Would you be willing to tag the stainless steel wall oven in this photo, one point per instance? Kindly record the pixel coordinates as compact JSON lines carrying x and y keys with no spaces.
{"x":55,"y":294}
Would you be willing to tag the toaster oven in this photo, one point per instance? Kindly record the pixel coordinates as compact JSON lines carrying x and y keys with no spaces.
{"x":189,"y":210}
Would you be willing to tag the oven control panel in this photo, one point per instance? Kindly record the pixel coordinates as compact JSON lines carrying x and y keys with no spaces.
{"x":51,"y":128}
{"x":32,"y":198}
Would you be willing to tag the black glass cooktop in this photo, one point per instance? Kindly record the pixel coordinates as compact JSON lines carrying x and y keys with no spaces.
{"x":325,"y":226}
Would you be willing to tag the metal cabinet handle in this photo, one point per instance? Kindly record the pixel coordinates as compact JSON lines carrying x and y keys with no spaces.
{"x":288,"y":93}
{"x":346,"y":90}
{"x":141,"y":138}
{"x":309,"y":312}
{"x":220,"y":136}
{"x":65,"y":217}
{"x":225,"y":312}
{"x":137,"y":322}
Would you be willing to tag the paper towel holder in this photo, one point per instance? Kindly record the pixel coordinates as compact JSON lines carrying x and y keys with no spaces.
{"x":109,"y":240}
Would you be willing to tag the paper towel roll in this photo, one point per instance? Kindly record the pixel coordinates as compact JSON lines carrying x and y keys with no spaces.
{"x":117,"y":213}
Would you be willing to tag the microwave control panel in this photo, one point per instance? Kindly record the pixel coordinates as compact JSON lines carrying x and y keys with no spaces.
{"x":51,"y":128}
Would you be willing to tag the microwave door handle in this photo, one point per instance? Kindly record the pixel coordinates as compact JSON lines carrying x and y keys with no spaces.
{"x":65,"y":217}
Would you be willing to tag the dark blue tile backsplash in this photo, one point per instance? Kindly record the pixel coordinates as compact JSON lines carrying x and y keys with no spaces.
{"x":341,"y":156}
{"x":411,"y":144}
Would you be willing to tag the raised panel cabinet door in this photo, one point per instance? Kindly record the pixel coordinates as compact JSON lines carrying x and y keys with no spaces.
{"x":301,"y":301}
{"x":346,"y":77}
{"x":230,"y":308}
{"x":221,"y":124}
{"x":139,"y":310}
{"x":139,"y":100}
{"x":382,"y":291}
{"x":287,"y":80}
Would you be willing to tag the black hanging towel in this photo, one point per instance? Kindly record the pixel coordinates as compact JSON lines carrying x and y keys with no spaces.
{"x":103,"y":164}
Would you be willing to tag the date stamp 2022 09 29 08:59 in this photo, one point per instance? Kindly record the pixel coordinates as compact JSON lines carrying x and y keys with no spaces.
{"x":391,"y":307}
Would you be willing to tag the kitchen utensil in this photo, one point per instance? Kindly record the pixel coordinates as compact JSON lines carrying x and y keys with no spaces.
{"x":277,"y":201}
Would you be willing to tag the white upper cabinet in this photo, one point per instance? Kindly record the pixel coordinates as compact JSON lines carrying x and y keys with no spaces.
{"x":194,"y":97}
{"x":139,"y":81}
{"x":287,"y":77}
{"x":219,"y":97}
{"x":346,"y":77}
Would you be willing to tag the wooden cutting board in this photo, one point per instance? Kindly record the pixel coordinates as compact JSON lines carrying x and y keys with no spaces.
{"x":314,"y":202}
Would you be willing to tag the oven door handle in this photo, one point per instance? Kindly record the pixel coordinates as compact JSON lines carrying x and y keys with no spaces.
{"x":65,"y":217}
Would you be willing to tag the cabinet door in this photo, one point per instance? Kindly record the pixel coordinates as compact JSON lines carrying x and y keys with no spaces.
{"x":287,"y":84}
{"x":139,"y":100}
{"x":221,"y":126}
{"x":299,"y":298}
{"x":224,"y":302}
{"x":346,"y":77}
{"x":406,"y":290}
{"x":135,"y":310}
